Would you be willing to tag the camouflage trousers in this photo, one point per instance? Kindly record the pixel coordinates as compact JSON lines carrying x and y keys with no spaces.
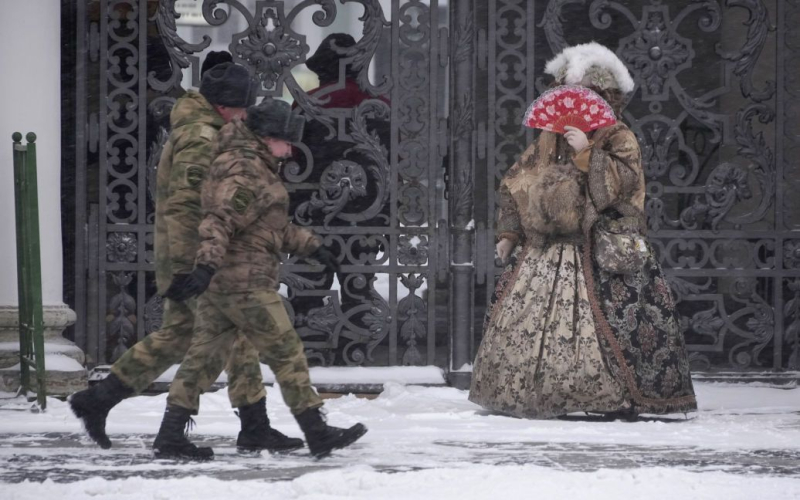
{"x":145,"y":361}
{"x":262,"y":318}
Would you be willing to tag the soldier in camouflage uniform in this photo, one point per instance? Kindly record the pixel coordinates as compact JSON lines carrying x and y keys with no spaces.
{"x":245,"y":230}
{"x":196,"y":118}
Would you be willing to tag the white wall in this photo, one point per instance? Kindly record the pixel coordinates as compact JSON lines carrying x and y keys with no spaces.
{"x":30,"y":101}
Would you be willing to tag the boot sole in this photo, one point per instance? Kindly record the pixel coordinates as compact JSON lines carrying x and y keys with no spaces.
{"x":249,"y":450}
{"x":352,"y":437}
{"x":181,"y":458}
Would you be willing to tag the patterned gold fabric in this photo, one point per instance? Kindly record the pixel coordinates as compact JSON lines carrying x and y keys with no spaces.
{"x":540,"y":356}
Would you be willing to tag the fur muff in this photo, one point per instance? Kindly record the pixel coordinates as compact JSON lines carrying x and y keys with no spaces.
{"x":550,"y":201}
{"x":560,"y":201}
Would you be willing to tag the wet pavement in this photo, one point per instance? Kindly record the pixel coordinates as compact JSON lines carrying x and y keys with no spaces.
{"x":744,"y":431}
{"x":69,"y":457}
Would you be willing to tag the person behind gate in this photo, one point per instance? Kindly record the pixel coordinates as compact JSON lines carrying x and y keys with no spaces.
{"x":225,"y":92}
{"x":245,"y":230}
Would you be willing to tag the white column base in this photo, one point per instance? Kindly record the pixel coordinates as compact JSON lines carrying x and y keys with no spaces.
{"x":64,"y":361}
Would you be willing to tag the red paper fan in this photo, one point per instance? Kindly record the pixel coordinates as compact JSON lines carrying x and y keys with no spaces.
{"x":569,"y":105}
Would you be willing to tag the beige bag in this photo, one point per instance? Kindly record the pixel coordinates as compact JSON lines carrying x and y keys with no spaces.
{"x":619,"y":246}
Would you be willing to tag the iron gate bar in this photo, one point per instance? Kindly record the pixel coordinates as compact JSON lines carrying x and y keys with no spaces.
{"x":787,"y":66}
{"x":779,"y":221}
{"x":437,"y":153}
{"x":102,"y":306}
{"x":142,"y":170}
{"x":394,"y":152}
{"x":499,"y":51}
{"x":461,"y":190}
{"x":80,"y":257}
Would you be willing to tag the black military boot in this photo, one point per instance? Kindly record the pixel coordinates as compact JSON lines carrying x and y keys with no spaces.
{"x":171,"y":441}
{"x":257,"y":435}
{"x":93,"y":404}
{"x":322,"y":439}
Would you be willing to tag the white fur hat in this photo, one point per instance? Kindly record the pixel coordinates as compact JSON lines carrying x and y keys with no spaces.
{"x":573,"y":63}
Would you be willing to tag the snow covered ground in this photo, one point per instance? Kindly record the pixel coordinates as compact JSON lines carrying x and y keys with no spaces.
{"x":424,"y":442}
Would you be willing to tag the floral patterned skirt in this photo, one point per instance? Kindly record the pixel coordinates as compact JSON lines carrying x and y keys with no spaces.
{"x":563,"y":338}
{"x":641,"y":337}
{"x":540,"y":356}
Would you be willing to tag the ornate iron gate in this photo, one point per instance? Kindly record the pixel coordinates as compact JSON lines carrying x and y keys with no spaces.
{"x":368,"y":174}
{"x":406,"y":194}
{"x":716,"y":113}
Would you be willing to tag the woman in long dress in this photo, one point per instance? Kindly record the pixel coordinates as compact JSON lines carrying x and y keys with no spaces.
{"x":564,"y":335}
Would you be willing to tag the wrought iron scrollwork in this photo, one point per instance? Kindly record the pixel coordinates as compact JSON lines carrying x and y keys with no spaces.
{"x":656,"y":52}
{"x":758,"y":29}
{"x":759,"y":327}
{"x":464,"y":199}
{"x":121,"y":247}
{"x":369,"y":144}
{"x":681,"y":287}
{"x":552,"y":22}
{"x":410,"y":314}
{"x":311,"y":106}
{"x":179,"y":49}
{"x":121,"y":327}
{"x":464,"y":117}
{"x":465,"y":39}
{"x":342,"y":182}
{"x":413,"y":250}
{"x":707,"y":322}
{"x":754,"y":147}
{"x":364,"y":50}
{"x":269,"y":46}
{"x":378,"y":321}
{"x":726,"y":186}
{"x":791,"y":254}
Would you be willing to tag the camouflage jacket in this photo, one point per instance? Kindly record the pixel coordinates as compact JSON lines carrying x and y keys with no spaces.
{"x":246,"y":224}
{"x":184,"y":164}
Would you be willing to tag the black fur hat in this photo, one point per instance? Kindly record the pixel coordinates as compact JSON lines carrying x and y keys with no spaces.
{"x":228,"y":84}
{"x":274,"y":118}
{"x":214,"y":58}
{"x":325,"y":61}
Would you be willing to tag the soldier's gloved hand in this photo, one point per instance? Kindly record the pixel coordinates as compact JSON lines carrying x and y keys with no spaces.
{"x":327,"y":259}
{"x":185,"y":286}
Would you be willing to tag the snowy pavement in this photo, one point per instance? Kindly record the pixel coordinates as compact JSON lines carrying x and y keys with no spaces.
{"x":423,"y":442}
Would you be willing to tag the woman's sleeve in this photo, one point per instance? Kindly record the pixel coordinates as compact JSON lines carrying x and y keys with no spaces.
{"x":508,"y":220}
{"x":615,"y":171}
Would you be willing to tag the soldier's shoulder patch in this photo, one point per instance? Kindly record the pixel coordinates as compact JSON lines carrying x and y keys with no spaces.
{"x":242,"y":199}
{"x":195,"y":175}
{"x":208,"y":133}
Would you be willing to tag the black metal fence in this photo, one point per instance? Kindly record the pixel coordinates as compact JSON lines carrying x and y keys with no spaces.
{"x":409,"y":134}
{"x":716,"y":113}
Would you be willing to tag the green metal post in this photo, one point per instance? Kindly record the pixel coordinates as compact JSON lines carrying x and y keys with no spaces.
{"x":35,"y":270}
{"x":24,"y":339}
{"x":29,"y":269}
